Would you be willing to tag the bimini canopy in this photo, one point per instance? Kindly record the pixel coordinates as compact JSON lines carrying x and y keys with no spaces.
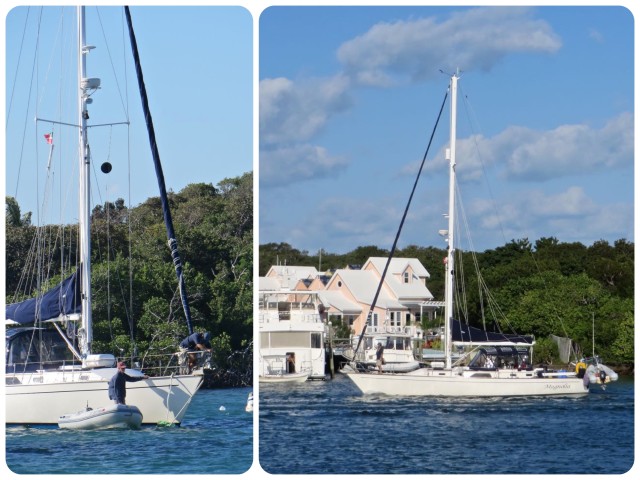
{"x":463,"y":333}
{"x":64,"y":299}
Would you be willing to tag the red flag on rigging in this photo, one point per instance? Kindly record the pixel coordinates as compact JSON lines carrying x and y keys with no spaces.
{"x":49,"y":138}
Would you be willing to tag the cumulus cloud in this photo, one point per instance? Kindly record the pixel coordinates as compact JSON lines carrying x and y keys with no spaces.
{"x":285,"y":165}
{"x":356,"y":221}
{"x":520,"y":153}
{"x":570,"y":214}
{"x":293,"y":112}
{"x":568,"y":149}
{"x":416,"y":49}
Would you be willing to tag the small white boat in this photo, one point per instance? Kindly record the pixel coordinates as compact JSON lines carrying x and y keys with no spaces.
{"x":112,"y":416}
{"x":284,"y":377}
{"x":597,"y":373}
{"x":400,"y":367}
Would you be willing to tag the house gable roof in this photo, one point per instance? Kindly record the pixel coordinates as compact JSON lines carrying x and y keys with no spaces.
{"x":415,"y":289}
{"x":289,"y":275}
{"x":363,"y":285}
{"x":398,"y":266}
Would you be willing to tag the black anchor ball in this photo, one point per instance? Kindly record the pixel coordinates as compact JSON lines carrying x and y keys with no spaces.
{"x":105,"y":167}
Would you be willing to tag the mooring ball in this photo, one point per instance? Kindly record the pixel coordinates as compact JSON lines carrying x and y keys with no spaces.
{"x":105,"y":167}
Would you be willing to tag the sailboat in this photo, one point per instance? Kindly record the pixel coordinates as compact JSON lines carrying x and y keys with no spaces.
{"x":53,"y":371}
{"x":501,"y":366}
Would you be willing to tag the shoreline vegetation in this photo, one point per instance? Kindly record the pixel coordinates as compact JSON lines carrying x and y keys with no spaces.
{"x":546,"y":287}
{"x":136,"y":302}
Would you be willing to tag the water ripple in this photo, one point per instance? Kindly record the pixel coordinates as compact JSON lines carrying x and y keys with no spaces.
{"x":330,"y":428}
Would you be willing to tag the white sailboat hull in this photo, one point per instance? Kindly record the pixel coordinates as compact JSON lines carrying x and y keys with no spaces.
{"x":41,"y":398}
{"x":448,"y":383}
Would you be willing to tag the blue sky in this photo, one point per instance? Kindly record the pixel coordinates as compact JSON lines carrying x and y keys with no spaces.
{"x":350,"y":95}
{"x":198,"y":67}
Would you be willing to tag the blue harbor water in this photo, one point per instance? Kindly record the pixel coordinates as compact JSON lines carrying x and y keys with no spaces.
{"x":331,"y":428}
{"x":211,"y":440}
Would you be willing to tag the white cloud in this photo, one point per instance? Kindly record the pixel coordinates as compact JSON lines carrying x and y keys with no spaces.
{"x":521,"y":153}
{"x":570,"y":215}
{"x":292,"y":112}
{"x":416,"y":49}
{"x":567,"y":150}
{"x":302,"y":162}
{"x":348,"y":221}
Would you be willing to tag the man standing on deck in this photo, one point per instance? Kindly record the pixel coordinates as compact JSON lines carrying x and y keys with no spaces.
{"x":379,"y":357}
{"x":118,"y":384}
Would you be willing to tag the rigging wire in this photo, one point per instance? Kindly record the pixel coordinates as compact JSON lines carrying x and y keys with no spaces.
{"x":106,"y":43}
{"x":481,"y":283}
{"x":15,"y":75}
{"x":404,"y":216}
{"x":486,"y":299}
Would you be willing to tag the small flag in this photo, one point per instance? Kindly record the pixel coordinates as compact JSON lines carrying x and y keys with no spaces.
{"x":49,"y":138}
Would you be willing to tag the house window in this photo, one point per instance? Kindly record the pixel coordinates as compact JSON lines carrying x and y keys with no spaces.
{"x":406,"y":277}
{"x":407,"y":318}
{"x":373,"y":320}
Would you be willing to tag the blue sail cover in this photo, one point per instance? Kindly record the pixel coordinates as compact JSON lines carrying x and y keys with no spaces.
{"x":461,"y":332}
{"x":64,"y":299}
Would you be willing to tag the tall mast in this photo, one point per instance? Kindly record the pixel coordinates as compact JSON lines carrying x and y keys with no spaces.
{"x":84,"y":194}
{"x":448,"y":308}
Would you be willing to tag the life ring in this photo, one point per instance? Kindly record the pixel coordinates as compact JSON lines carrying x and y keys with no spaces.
{"x":580,"y":365}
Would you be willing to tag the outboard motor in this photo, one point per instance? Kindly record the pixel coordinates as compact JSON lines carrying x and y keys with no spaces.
{"x":603,"y":376}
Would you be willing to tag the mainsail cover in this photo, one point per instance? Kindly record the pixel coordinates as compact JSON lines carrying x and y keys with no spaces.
{"x":463,"y":333}
{"x":63,"y":299}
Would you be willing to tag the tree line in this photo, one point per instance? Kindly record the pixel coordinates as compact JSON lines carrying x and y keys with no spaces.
{"x":137,"y":309}
{"x":543,"y":288}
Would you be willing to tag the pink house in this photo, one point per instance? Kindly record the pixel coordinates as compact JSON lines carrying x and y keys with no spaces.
{"x":403,"y":300}
{"x":347,"y":295}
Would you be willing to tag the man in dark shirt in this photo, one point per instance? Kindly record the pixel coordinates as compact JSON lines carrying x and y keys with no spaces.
{"x":194,"y":342}
{"x":197,"y":341}
{"x":379,"y":357}
{"x":118,"y":384}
